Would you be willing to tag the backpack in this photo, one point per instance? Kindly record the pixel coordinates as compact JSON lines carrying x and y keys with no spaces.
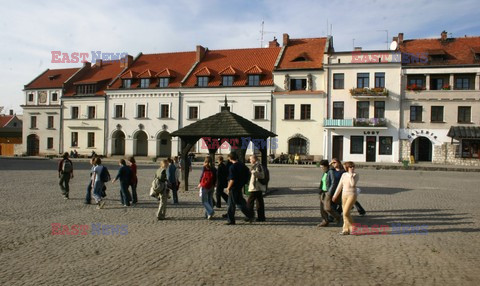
{"x":104,"y":175}
{"x":207,"y":181}
{"x":266,"y":177}
{"x":67,"y":166}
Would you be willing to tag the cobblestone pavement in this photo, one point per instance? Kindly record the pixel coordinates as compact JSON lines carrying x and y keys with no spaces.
{"x":288,"y":249}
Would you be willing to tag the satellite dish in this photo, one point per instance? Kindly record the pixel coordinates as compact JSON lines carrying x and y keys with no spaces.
{"x":393,"y":46}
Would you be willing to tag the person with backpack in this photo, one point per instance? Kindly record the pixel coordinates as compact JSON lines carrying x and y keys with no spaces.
{"x":256,"y":187}
{"x":207,"y":182}
{"x":328,"y":184}
{"x":172,"y":179}
{"x":100,"y":177}
{"x":65,"y":173}
{"x":133,"y":179}
{"x":237,"y":178}
{"x":125,"y":176}
{"x":222,"y":181}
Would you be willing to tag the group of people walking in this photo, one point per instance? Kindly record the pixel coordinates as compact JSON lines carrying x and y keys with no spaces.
{"x":228,"y":182}
{"x":339,"y":182}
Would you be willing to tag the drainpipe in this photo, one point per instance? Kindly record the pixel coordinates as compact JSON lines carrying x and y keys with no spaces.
{"x":105,"y":127}
{"x":271,"y":121}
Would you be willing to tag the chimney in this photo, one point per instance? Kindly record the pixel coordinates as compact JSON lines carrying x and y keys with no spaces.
{"x":274,"y":43}
{"x":400,"y":38}
{"x":357,"y":49}
{"x":126,"y":61}
{"x":443,"y":36}
{"x":286,"y":39}
{"x":395,"y":39}
{"x":87,"y":64}
{"x":11,"y":111}
{"x":98,"y":63}
{"x":200,"y":53}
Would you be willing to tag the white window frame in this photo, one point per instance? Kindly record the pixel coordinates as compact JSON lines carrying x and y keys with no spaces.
{"x":188,"y":111}
{"x":71,"y":112}
{"x":88,"y":109}
{"x":146,"y":110}
{"x":115,"y":110}
{"x":169,"y":110}
{"x":265,"y":116}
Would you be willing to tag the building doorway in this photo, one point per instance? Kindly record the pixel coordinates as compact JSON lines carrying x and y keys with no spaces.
{"x":337,"y":147}
{"x":118,"y":143}
{"x":33,"y":145}
{"x":421,"y":149}
{"x":371,"y":148}
{"x":164,"y":144}
{"x":141,"y":143}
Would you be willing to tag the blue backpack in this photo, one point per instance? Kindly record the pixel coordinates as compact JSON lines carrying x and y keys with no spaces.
{"x":104,"y":175}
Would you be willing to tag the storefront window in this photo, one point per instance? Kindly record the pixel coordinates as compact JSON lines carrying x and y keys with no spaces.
{"x":470,"y":148}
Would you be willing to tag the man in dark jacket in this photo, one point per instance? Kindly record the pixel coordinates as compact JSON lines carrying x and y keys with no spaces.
{"x":125,"y":175}
{"x":172,"y":180}
{"x":327,"y":186}
{"x":222,"y":182}
{"x":237,"y":178}
{"x":65,"y":173}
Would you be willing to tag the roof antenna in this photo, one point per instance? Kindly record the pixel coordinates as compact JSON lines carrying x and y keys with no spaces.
{"x":262,"y":34}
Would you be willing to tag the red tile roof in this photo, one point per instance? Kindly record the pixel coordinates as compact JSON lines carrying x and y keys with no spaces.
{"x":456,"y":51}
{"x":160,"y":65}
{"x":51,"y":78}
{"x":101,"y":75}
{"x":222,"y":62}
{"x":303,"y":54}
{"x":4,"y":119}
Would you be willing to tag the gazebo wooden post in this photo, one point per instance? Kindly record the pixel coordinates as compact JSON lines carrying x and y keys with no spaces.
{"x":186,"y":146}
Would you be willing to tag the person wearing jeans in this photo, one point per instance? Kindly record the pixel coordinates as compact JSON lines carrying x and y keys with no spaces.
{"x":207,"y":181}
{"x":124,"y":174}
{"x":65,"y":173}
{"x":237,"y":179}
{"x":134,"y":179}
{"x":222,"y":181}
{"x":347,"y":189}
{"x":161,"y":175}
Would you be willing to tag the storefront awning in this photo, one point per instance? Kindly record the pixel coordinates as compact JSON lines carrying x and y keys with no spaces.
{"x":464,"y":132}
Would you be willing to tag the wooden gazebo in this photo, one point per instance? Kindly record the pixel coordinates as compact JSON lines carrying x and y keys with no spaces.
{"x":223,"y":126}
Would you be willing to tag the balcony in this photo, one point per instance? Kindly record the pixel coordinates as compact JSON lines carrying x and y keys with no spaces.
{"x":376,"y":92}
{"x":355,"y":123}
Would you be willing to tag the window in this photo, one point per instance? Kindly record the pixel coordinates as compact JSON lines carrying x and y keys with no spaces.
{"x":437,"y":84}
{"x":297,"y":146}
{"x":259,"y":112}
{"x":193,"y":112}
{"x":385,"y":145}
{"x":416,"y":81}
{"x":163,"y":82}
{"x":462,"y":83}
{"x":54,"y":96}
{"x":202,"y":81}
{"x":471,"y":148}
{"x":86,"y":89}
{"x":126,"y":83}
{"x":356,"y":144}
{"x":338,"y":107}
{"x":289,"y":111}
{"x":118,"y":111}
{"x":164,"y":111}
{"x":305,"y":111}
{"x":144,"y":82}
{"x":416,"y":113}
{"x":436,"y":114}
{"x":141,"y":111}
{"x":380,"y":80}
{"x":33,"y":122}
{"x":50,"y":122}
{"x":464,"y":114}
{"x":363,"y":80}
{"x":298,"y":84}
{"x":74,"y":112}
{"x":50,"y":143}
{"x":91,"y":112}
{"x":362,"y":109}
{"x":74,"y":139}
{"x":379,"y":109}
{"x":254,"y":80}
{"x":338,"y":80}
{"x":227,"y":80}
{"x":30,"y":97}
{"x":91,"y":140}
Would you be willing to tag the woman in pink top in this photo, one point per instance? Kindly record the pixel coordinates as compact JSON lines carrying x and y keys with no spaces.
{"x":347,"y":187}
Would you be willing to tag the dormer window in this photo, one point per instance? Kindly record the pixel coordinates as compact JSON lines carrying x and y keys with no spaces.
{"x":86,"y":89}
{"x":54,"y":97}
{"x":163,"y":82}
{"x":300,"y":59}
{"x":254,"y":80}
{"x":144,"y":83}
{"x":298,"y":84}
{"x":437,"y":55}
{"x":126,"y":83}
{"x":202,"y":81}
{"x":227,"y":80}
{"x":30,"y":97}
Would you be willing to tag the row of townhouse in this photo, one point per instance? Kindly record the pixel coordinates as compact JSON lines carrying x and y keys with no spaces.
{"x":378,"y":106}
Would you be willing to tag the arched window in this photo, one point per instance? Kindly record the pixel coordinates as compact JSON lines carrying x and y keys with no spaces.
{"x":297,"y":145}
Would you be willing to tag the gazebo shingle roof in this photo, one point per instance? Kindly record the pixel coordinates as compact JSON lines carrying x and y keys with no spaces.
{"x":224,"y":124}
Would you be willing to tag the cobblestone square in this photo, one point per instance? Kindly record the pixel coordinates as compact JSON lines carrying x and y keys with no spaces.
{"x":287,"y":249}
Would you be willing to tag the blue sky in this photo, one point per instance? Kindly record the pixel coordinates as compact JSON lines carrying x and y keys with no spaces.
{"x":30,"y":30}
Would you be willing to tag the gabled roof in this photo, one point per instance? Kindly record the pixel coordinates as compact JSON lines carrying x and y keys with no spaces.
{"x":203,"y":72}
{"x":145,"y":74}
{"x":222,"y":62}
{"x":5,"y":119}
{"x":51,"y":78}
{"x":128,"y":74}
{"x":101,"y":75}
{"x":254,"y":70}
{"x":224,"y":124}
{"x":310,"y":49}
{"x":175,"y":64}
{"x":456,"y":51}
